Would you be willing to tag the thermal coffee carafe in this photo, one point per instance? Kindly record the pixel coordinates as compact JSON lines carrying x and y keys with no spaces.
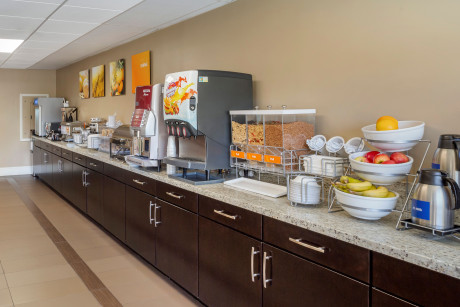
{"x":446,"y":157}
{"x":432,"y":204}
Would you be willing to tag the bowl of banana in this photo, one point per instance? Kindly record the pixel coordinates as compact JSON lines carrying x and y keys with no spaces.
{"x":364,"y":200}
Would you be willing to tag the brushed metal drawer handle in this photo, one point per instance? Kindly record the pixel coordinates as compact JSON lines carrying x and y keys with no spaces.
{"x":320,"y":249}
{"x":139,"y":182}
{"x":253,"y":253}
{"x":150,"y":212}
{"x":221,"y":212}
{"x":266,"y":281}
{"x":93,"y":164}
{"x":175,"y":195}
{"x":77,"y":158}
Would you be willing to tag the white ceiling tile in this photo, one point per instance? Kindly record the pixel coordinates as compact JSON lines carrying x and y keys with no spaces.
{"x":4,"y":56}
{"x":15,"y":65}
{"x":53,"y":37}
{"x":43,"y":1}
{"x":104,"y":4}
{"x":56,"y":26}
{"x":20,"y":23}
{"x":26,"y":9}
{"x":14,"y":34}
{"x":27,"y":58}
{"x":32,"y":51}
{"x":70,"y":13}
{"x":43,"y":45}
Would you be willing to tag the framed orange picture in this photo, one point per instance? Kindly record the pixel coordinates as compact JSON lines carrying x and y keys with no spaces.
{"x":84,"y":83}
{"x":117,"y":77}
{"x":140,"y":69}
{"x":98,"y":81}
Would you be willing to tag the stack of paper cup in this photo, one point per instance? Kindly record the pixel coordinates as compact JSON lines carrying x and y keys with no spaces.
{"x":171,"y":152}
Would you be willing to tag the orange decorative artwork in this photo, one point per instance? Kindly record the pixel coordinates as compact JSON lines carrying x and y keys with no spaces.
{"x":140,"y":69}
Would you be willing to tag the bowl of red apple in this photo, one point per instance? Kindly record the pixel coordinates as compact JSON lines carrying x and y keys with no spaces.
{"x":381,"y":168}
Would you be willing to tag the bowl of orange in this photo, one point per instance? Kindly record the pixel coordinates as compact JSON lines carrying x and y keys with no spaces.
{"x":391,"y":135}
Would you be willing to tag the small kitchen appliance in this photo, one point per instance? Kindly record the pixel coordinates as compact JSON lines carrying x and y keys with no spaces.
{"x":47,"y":110}
{"x":196,"y":111}
{"x":121,"y":143}
{"x":147,"y":128}
{"x":435,"y":198}
{"x":96,"y":124}
{"x":447,"y":155}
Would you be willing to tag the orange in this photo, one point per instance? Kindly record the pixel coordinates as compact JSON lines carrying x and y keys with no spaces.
{"x":386,"y":123}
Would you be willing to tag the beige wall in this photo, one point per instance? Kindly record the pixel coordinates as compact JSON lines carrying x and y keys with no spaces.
{"x":14,"y":82}
{"x":352,"y":60}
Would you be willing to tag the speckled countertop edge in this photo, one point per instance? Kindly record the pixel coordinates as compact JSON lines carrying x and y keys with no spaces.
{"x":414,"y":246}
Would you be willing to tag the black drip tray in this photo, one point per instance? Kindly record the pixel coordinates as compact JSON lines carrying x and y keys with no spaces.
{"x":197,"y":178}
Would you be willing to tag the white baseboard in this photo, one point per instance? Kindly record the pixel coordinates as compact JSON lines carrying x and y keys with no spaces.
{"x":17,"y":170}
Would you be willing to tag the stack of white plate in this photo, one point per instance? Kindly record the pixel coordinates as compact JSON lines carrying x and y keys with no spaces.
{"x":324,"y":165}
{"x":304,"y":190}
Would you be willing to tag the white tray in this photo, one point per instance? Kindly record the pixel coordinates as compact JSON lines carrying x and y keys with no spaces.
{"x":259,"y":187}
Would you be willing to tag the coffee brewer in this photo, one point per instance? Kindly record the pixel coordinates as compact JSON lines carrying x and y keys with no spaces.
{"x":148,"y":128}
{"x":196,"y":111}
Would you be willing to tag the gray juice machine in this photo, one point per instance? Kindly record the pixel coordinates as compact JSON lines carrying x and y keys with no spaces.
{"x":196,"y":111}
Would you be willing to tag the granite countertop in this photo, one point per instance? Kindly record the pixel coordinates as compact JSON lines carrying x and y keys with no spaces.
{"x":441,"y":254}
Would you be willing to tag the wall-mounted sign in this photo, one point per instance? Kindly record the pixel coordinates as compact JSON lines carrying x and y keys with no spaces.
{"x":117,"y":77}
{"x":97,"y":81}
{"x":84,"y":83}
{"x":140,"y":69}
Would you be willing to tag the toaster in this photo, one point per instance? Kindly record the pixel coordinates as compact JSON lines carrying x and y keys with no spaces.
{"x":94,"y":141}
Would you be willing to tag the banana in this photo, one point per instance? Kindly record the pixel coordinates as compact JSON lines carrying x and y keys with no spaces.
{"x":359,"y":186}
{"x":381,"y":192}
{"x":348,"y":179}
{"x":390,"y":194}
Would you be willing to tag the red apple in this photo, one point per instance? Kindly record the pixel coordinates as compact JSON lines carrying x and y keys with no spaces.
{"x":389,"y":162}
{"x":380,"y":158}
{"x":399,"y":157}
{"x":371,"y":155}
{"x":361,"y":159}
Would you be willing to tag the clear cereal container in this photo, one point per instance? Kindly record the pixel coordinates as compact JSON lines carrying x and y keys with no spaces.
{"x":271,"y":141}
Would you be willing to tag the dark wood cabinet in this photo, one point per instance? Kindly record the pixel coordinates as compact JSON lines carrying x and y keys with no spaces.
{"x":78,"y":197}
{"x":114,"y":207}
{"x":67,"y":188}
{"x":46,"y":167}
{"x":294,"y":281}
{"x":94,"y":195}
{"x":37,"y":160}
{"x":177,"y":244}
{"x":140,"y":226}
{"x":57,"y":170}
{"x":382,"y":299}
{"x":225,"y":274}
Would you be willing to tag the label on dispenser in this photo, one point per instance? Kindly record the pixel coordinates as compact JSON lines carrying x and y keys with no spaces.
{"x":237,"y":154}
{"x":435,"y":166}
{"x":272,"y":159}
{"x":254,"y":157}
{"x":421,"y":209}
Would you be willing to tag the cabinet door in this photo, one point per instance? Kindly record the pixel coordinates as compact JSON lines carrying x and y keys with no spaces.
{"x":57,"y":173}
{"x":114,"y":207}
{"x":225,"y":275}
{"x":94,"y":195}
{"x":140,"y":229}
{"x":67,"y":188}
{"x":294,"y":281}
{"x":177,"y":244}
{"x":382,"y":299}
{"x":79,"y":190}
{"x":37,"y":161}
{"x":47,"y":168}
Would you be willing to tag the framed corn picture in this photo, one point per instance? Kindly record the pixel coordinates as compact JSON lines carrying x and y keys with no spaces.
{"x":84,"y":83}
{"x":117,"y":77}
{"x":140,"y":69}
{"x":98,"y":81}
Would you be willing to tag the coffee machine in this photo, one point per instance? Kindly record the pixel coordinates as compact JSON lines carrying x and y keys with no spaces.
{"x":147,"y":128}
{"x":196,"y":111}
{"x":47,"y":110}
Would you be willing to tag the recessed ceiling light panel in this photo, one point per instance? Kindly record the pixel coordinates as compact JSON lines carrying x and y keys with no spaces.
{"x":9,"y":45}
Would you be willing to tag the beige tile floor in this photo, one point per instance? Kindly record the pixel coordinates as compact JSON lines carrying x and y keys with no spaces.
{"x":33,"y":272}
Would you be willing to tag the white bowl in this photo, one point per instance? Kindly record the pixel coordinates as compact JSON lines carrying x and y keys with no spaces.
{"x":402,"y":139}
{"x":367,"y":208}
{"x":384,"y":174}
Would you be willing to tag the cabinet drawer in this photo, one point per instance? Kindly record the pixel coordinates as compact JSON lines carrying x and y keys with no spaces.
{"x":79,"y":159}
{"x":66,"y":154}
{"x":414,"y":283}
{"x":116,"y":173}
{"x":38,"y":143}
{"x":185,"y":199}
{"x":95,"y":165}
{"x":56,"y":150}
{"x":145,"y":184}
{"x":382,"y":299}
{"x":240,"y":219}
{"x":46,"y":146}
{"x":341,"y":256}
